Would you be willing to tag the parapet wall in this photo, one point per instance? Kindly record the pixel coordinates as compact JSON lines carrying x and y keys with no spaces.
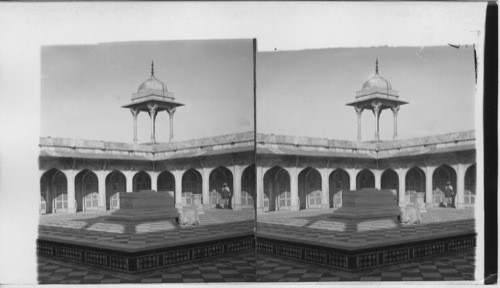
{"x":266,"y":144}
{"x":80,"y":148}
{"x":281,"y":144}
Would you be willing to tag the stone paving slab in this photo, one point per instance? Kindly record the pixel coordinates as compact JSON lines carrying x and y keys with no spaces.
{"x":318,"y":227}
{"x":94,"y":229}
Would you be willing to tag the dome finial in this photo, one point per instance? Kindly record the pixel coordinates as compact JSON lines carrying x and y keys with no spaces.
{"x":152,"y":68}
{"x":376,"y":66}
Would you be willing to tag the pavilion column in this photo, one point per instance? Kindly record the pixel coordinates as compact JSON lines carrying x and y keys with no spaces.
{"x":152,"y":113}
{"x":236,"y":201}
{"x":171,"y":112}
{"x":178,"y":188}
{"x":101,"y":178}
{"x":325,"y":188}
{"x":259,"y":191}
{"x":135,"y":112}
{"x":205,"y":186}
{"x":359,"y":110}
{"x":460,"y":197}
{"x":294,"y":189}
{"x":395,"y":111}
{"x":376,"y":111}
{"x":402,"y":186}
{"x":70,"y":178}
{"x":429,"y":199}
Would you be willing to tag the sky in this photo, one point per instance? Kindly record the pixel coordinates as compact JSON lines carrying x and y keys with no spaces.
{"x":87,"y":85}
{"x":304,"y":92}
{"x":84,"y":87}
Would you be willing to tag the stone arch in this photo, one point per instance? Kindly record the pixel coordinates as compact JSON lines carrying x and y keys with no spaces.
{"x":248,"y":187}
{"x":470,"y":185}
{"x":53,"y":192}
{"x":414,"y":183}
{"x":141,"y":181}
{"x":191,"y":185}
{"x":365,"y":179}
{"x":116,"y":182}
{"x":339,"y":180}
{"x":166,"y":181}
{"x":45,"y":197}
{"x":309,"y":187}
{"x":276,"y":189}
{"x":86,"y":191}
{"x":390,"y":180}
{"x":218,"y":177}
{"x":441,"y":175}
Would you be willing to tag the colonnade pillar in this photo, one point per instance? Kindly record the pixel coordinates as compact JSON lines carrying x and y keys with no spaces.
{"x":325,"y":188}
{"x":154,"y":180}
{"x":236,"y":201}
{"x":205,"y":186}
{"x":259,"y":179}
{"x":129,"y":178}
{"x":377,"y":174}
{"x":70,"y":178}
{"x":429,"y":199}
{"x":101,"y":179}
{"x":460,"y":197}
{"x":294,"y":188}
{"x":352,"y":177}
{"x":402,"y":186}
{"x":178,"y":188}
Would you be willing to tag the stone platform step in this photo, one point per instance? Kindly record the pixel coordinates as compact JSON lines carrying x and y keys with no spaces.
{"x":147,"y":259}
{"x":145,"y":205}
{"x":366,"y":212}
{"x":141,"y":215}
{"x":360,"y":258}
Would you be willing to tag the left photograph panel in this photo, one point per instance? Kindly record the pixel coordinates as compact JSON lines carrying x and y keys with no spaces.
{"x":146,"y":162}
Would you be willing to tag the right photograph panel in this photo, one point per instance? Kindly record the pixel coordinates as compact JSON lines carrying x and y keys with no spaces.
{"x":366,"y":164}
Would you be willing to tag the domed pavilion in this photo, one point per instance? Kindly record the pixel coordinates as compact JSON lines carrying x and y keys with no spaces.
{"x":153,"y":97}
{"x":376,"y":95}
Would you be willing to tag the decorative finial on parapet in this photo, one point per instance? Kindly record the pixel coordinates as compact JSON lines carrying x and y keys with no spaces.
{"x":152,"y":68}
{"x":376,"y":66}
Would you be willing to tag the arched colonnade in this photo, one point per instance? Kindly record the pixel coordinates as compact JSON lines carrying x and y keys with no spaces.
{"x":70,"y":191}
{"x":293,"y":188}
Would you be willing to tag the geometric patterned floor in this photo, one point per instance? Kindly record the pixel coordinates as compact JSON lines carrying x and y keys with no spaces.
{"x":242,"y":267}
{"x":319,"y":227}
{"x":233,"y":268}
{"x":455,"y":267}
{"x":94,"y":228}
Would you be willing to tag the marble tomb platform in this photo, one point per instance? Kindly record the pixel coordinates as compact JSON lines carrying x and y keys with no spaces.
{"x":368,"y":203}
{"x":146,"y":205}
